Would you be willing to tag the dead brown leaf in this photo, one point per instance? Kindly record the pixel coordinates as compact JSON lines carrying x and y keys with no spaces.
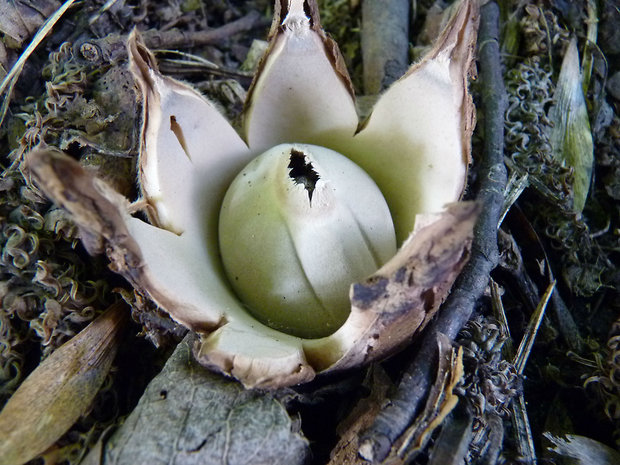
{"x":60,"y":389}
{"x":20,"y":19}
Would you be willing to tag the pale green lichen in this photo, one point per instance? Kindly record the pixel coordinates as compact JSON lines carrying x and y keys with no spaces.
{"x":49,"y":288}
{"x":491,"y":381}
{"x":47,"y":291}
{"x":580,"y":248}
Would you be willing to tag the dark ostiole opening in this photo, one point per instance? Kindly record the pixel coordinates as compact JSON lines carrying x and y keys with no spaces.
{"x":302,"y":172}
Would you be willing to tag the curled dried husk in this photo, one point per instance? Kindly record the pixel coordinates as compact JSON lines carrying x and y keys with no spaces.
{"x":301,"y":98}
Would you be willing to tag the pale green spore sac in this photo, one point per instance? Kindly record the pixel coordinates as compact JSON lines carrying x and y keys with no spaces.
{"x":297,"y":227}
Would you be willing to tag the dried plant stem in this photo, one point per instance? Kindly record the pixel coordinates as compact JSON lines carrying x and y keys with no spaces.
{"x":402,"y":407}
{"x":176,"y":38}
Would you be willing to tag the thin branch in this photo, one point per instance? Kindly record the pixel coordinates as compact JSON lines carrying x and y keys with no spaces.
{"x":112,"y":47}
{"x":418,"y":377}
{"x":385,"y":42}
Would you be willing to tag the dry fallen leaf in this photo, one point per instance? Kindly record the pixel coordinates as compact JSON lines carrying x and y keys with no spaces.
{"x":189,"y":415}
{"x":19,"y":20}
{"x":60,"y":389}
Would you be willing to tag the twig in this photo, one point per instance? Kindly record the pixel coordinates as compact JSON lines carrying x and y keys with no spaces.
{"x":112,"y":47}
{"x":385,"y":42}
{"x":175,"y":38}
{"x":418,"y":377}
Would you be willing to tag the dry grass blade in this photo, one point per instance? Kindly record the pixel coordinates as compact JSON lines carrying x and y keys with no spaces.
{"x":523,"y":352}
{"x":60,"y":390}
{"x":6,"y":87}
{"x":517,"y":182}
{"x":500,"y":314}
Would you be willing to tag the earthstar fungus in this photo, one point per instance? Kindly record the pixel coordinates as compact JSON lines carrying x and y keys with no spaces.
{"x":415,"y":146}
